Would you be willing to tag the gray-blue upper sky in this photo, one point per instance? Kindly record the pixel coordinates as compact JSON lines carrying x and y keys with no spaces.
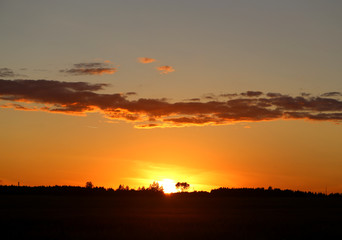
{"x":214,"y":46}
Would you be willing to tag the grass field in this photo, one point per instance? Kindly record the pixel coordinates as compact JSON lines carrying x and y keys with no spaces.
{"x":168,"y":217}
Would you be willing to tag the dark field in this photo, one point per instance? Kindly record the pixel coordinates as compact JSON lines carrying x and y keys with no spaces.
{"x":169,"y":217}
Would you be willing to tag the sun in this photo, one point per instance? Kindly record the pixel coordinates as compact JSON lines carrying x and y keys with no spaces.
{"x":168,"y":185}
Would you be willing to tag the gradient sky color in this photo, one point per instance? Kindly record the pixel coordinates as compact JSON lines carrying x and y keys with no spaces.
{"x":228,"y":93}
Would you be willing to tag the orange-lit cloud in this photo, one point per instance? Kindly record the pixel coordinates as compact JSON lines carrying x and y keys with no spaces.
{"x":251,"y":106}
{"x":94,"y":68}
{"x":146,"y":60}
{"x":165,"y":69}
{"x":18,"y":107}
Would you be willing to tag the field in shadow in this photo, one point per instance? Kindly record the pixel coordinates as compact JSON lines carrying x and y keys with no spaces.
{"x":132,"y":215}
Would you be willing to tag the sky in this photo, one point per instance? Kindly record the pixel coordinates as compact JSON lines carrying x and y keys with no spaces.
{"x":213,"y":93}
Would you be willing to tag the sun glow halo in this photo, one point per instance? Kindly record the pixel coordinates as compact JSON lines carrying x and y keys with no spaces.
{"x":169,"y":185}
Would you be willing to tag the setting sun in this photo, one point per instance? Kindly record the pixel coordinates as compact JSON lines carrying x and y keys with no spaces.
{"x":169,"y":185}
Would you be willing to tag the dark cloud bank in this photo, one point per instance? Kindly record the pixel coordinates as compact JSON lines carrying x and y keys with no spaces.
{"x":82,"y":97}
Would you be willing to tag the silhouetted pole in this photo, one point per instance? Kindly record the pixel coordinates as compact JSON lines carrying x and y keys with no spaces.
{"x":18,"y":184}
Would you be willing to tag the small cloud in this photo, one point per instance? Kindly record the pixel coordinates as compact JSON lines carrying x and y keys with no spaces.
{"x":252,"y":93}
{"x":9,"y":73}
{"x":149,"y":126}
{"x":273,"y":95}
{"x":303,"y":94}
{"x":90,"y":65}
{"x":92,"y":68}
{"x":6,"y":72}
{"x":146,"y":60}
{"x":229,"y":95}
{"x":18,"y":107}
{"x":130,"y":93}
{"x":209,"y":96}
{"x":193,"y":99}
{"x":90,"y":71}
{"x":331,"y":94}
{"x":165,"y":69}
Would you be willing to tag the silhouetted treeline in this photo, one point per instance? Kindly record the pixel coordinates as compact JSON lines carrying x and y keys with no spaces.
{"x":270,"y":192}
{"x":76,"y":190}
{"x":157,"y":191}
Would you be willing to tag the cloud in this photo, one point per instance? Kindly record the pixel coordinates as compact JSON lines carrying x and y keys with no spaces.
{"x":130,"y":93}
{"x":305,"y":94}
{"x":18,"y":107}
{"x":6,"y":72}
{"x":81,"y":97}
{"x":252,"y":94}
{"x":165,"y":69}
{"x":90,"y":65}
{"x":209,"y":97}
{"x":192,"y":99}
{"x":146,"y":60}
{"x":272,"y":95}
{"x":9,"y":73}
{"x":149,"y":126}
{"x":90,"y":71}
{"x":331,"y":94}
{"x":229,"y":95}
{"x":93,"y":68}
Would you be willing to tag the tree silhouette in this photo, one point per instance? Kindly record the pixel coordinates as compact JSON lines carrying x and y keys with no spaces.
{"x":183,"y":186}
{"x":121,"y":188}
{"x":89,"y":185}
{"x":155,"y":187}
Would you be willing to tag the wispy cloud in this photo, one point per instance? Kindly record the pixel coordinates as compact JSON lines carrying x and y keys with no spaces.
{"x":92,"y":68}
{"x":81,"y":97}
{"x":146,"y":60}
{"x":6,"y":72}
{"x":9,"y":73}
{"x":130,"y":93}
{"x":331,"y":94}
{"x":165,"y":69}
{"x":251,"y":94}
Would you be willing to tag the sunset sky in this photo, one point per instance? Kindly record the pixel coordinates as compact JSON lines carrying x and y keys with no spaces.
{"x":213,"y":93}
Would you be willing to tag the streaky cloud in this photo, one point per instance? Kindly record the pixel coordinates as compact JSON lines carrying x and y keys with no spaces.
{"x":130,"y":93}
{"x":146,"y":60}
{"x":79,"y":98}
{"x":229,"y":95}
{"x":274,"y":95}
{"x":252,"y":93}
{"x":332,"y":94}
{"x":6,"y":72}
{"x":9,"y":73}
{"x":90,"y":65}
{"x":92,"y":68}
